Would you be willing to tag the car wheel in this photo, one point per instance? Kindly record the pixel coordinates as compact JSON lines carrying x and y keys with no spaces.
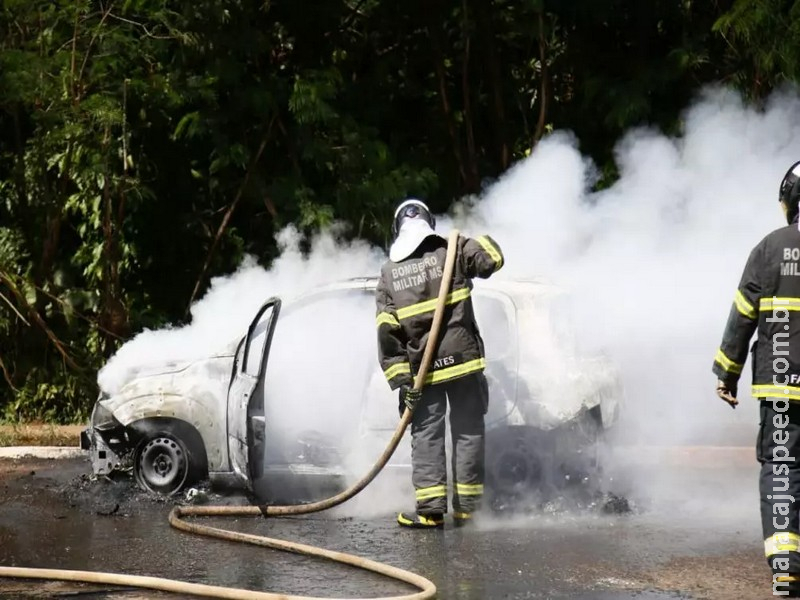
{"x":162,"y":464}
{"x":514,"y":465}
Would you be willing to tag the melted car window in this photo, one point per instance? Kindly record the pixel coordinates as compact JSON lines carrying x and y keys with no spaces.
{"x":560,"y":315}
{"x":255,"y":350}
{"x":493,"y":322}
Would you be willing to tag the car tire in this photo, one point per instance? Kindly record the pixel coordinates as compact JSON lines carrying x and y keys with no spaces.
{"x":163,"y":463}
{"x":514,"y":464}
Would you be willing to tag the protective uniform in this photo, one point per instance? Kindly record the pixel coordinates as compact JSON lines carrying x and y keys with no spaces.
{"x":406,"y":297}
{"x":767,"y":301}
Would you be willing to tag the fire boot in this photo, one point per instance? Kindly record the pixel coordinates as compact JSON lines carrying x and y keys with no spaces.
{"x":461,"y":519}
{"x":418,"y":521}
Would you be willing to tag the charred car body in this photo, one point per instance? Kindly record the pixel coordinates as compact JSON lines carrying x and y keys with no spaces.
{"x":279,"y":412}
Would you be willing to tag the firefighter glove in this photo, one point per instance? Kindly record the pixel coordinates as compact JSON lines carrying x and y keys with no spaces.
{"x":409,"y":397}
{"x":727,"y":391}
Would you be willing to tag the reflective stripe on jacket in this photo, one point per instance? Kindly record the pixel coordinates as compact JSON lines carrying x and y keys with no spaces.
{"x":767,"y":301}
{"x":406,"y":299}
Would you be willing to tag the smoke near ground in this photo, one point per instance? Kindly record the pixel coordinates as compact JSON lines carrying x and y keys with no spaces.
{"x":651,"y":264}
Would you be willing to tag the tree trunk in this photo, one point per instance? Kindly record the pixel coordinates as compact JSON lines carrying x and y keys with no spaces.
{"x":441,"y":77}
{"x":543,"y":88}
{"x":229,"y":212}
{"x":473,"y":178}
{"x":113,"y":314}
{"x":493,"y":66}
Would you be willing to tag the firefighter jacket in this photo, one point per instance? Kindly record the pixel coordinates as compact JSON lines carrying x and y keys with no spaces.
{"x":406,"y":298}
{"x":767,"y":301}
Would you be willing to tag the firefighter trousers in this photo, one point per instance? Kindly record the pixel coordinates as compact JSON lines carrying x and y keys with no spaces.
{"x":778,"y":451}
{"x":469,"y":399}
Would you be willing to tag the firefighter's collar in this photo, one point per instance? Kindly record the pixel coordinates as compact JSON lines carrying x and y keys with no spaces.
{"x":412,"y":234}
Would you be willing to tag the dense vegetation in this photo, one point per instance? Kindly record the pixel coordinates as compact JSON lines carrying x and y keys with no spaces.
{"x":145,"y":145}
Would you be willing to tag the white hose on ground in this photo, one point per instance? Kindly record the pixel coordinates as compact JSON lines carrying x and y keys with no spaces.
{"x":426,"y":588}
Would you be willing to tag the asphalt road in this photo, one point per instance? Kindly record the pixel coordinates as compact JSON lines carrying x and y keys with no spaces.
{"x":693,"y":533}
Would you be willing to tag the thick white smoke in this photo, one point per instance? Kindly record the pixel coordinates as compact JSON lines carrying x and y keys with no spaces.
{"x":652,"y":264}
{"x":225,"y":311}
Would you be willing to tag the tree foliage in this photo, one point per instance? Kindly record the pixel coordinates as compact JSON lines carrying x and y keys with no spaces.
{"x":147,"y":145}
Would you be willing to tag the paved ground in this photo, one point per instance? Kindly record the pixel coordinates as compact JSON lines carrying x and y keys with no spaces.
{"x":693,"y":534}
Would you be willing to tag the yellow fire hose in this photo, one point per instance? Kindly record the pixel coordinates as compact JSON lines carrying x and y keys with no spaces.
{"x":426,"y":588}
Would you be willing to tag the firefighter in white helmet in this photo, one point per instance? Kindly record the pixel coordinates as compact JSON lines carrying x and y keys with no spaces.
{"x":406,"y":299}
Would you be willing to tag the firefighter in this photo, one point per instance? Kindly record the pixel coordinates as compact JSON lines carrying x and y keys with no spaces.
{"x":767,"y":301}
{"x":406,"y":297}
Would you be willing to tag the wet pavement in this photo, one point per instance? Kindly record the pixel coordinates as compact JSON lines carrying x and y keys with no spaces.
{"x":693,"y":533}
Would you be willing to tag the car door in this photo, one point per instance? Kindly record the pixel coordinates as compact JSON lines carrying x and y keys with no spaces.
{"x":245,"y":421}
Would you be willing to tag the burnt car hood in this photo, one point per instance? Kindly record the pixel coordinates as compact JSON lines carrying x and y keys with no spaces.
{"x":163,"y":389}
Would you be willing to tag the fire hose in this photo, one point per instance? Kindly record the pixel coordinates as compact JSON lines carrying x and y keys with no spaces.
{"x":427,"y":589}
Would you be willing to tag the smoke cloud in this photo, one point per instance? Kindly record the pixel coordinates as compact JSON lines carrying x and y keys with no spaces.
{"x":650,"y":264}
{"x":222,"y":316}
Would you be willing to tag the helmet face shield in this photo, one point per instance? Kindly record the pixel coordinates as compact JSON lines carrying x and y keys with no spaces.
{"x":411,"y":209}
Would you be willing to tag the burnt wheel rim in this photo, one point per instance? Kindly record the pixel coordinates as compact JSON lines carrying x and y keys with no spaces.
{"x":516,"y":471}
{"x":515,"y":463}
{"x":163,"y":465}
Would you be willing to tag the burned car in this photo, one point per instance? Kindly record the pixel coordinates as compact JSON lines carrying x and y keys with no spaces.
{"x":298,"y":406}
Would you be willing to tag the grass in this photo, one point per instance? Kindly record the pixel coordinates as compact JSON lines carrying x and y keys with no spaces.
{"x":39,"y":434}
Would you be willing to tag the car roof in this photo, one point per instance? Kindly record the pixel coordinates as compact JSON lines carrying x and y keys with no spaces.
{"x":515,"y":287}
